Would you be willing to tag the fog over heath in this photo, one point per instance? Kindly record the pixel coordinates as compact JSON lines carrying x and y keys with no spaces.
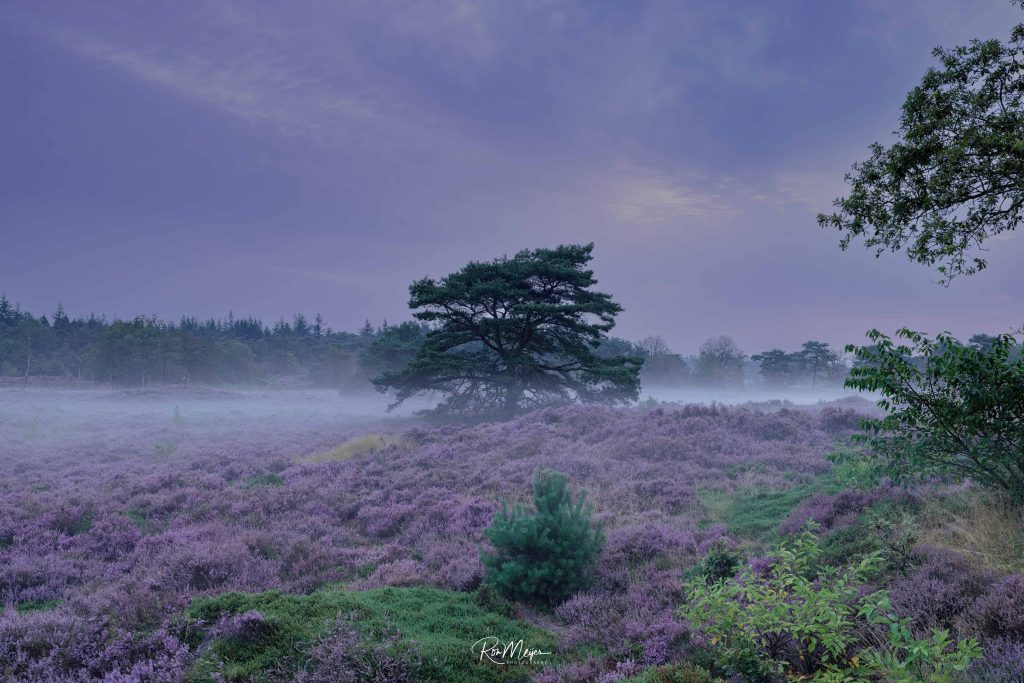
{"x":266,"y":157}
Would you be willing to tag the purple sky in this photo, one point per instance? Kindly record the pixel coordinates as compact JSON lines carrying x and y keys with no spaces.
{"x":197,"y":157}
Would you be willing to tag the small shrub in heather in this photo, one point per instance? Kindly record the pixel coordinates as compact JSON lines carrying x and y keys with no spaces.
{"x":546,"y":555}
{"x":721,"y":562}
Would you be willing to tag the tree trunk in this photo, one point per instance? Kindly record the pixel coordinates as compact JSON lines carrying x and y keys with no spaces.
{"x":28,"y":360}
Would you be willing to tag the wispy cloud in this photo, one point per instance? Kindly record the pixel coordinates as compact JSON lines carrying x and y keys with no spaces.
{"x":649,"y":197}
{"x":270,"y":85}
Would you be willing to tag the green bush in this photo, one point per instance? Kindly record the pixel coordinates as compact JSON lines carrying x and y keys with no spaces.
{"x":953,"y":410}
{"x":720,"y":563}
{"x":544,"y":556}
{"x":806,"y":621}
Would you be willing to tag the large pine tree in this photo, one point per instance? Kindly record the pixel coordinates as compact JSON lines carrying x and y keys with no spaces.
{"x":515,"y":334}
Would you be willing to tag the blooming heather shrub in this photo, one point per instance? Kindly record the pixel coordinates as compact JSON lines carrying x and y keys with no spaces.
{"x":636,"y":621}
{"x":836,"y":511}
{"x":546,"y":555}
{"x":1003,"y":663}
{"x":1000,"y":611}
{"x":166,"y":529}
{"x":250,"y":625}
{"x":589,"y":670}
{"x":342,"y":656}
{"x":941,"y":590}
{"x":642,"y":543}
{"x":839,"y":421}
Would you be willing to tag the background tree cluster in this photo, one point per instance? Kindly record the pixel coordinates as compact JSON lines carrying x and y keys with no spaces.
{"x":145,"y":350}
{"x":814,"y":364}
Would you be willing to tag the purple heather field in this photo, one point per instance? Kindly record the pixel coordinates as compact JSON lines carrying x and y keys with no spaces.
{"x":117,"y":509}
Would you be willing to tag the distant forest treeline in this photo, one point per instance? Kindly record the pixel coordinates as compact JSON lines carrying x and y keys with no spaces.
{"x":145,"y":350}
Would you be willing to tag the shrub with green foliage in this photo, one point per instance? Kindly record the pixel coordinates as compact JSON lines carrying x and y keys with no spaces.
{"x":544,"y":556}
{"x":955,"y":410}
{"x":805,"y":621}
{"x":720,"y":562}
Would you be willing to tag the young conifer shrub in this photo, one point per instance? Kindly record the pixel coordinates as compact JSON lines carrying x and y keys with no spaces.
{"x":545,"y":555}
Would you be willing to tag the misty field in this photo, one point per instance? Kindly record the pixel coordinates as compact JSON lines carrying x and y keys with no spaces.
{"x":129,"y":522}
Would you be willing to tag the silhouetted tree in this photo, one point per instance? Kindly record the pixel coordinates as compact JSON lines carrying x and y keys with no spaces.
{"x":513,"y":334}
{"x":777,"y":367}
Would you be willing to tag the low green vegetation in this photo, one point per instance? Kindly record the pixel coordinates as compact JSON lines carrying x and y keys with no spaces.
{"x":546,"y":555}
{"x":753,"y":514}
{"x":354,"y":448}
{"x":269,"y":479}
{"x":432,"y":628}
{"x":952,"y":410}
{"x":37,"y":605}
{"x":804,"y":620}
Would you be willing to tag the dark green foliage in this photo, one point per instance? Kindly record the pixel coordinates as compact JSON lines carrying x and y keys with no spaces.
{"x":545,"y":555}
{"x":394,"y":347}
{"x":955,"y":177}
{"x":436,"y":626}
{"x":37,"y":605}
{"x":802,"y":620}
{"x":720,"y":563}
{"x":269,"y":479}
{"x":961,"y":415}
{"x":813,"y":363}
{"x":515,"y":334}
{"x":777,"y":367}
{"x":144,"y":351}
{"x":843,"y":547}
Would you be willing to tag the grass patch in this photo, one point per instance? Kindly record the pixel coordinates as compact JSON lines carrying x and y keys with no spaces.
{"x":137,"y":518}
{"x":753,"y":514}
{"x":36,"y":605}
{"x":270,"y":479}
{"x":439,"y":625}
{"x":979,"y":525}
{"x":355,"y":448}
